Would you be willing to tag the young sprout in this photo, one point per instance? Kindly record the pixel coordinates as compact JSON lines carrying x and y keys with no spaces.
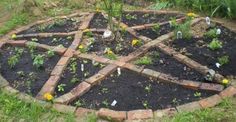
{"x":145,"y":104}
{"x":197,"y":94}
{"x":38,"y":61}
{"x":223,"y":60}
{"x":60,"y":87}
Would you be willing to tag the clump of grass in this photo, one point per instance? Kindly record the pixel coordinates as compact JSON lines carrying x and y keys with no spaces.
{"x":146,"y":60}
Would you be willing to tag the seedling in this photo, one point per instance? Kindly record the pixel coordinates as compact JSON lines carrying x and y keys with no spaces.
{"x":173,"y":22}
{"x":31,"y":46}
{"x":13,"y":60}
{"x":83,"y":49}
{"x":50,"y":53}
{"x":74,"y":80}
{"x":174,"y":101}
{"x":148,"y":88}
{"x":60,"y":88}
{"x":79,"y":103}
{"x":69,"y":37}
{"x":109,"y":54}
{"x":104,"y":90}
{"x":155,"y":55}
{"x":105,"y":103}
{"x":146,"y":60}
{"x":212,"y":33}
{"x":88,"y":34}
{"x":215,"y":44}
{"x":130,"y":17}
{"x":54,"y":40}
{"x":38,"y":61}
{"x":156,"y":28}
{"x":19,"y":51}
{"x":197,"y":94}
{"x":73,"y":66}
{"x":86,"y":74}
{"x":223,"y":60}
{"x":145,"y":104}
{"x":34,"y":39}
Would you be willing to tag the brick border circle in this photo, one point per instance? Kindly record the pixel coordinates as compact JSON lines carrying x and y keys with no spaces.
{"x":123,"y":62}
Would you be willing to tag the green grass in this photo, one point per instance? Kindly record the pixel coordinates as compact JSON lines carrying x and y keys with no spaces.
{"x":146,"y":60}
{"x":12,"y":109}
{"x":224,"y":112}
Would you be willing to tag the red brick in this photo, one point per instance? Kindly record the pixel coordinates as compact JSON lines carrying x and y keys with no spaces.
{"x":179,"y":57}
{"x":118,"y":63}
{"x":108,"y":69}
{"x":228,"y":92}
{"x":189,"y":107}
{"x":44,"y":47}
{"x":86,"y":22}
{"x":100,"y":59}
{"x":190,"y":84}
{"x":63,"y":61}
{"x":59,"y":50}
{"x":64,"y":108}
{"x":58,"y":70}
{"x":87,"y":56}
{"x":211,"y":87}
{"x":112,"y":115}
{"x":65,"y":99}
{"x":167,"y":78}
{"x":133,"y":67}
{"x":96,"y":79}
{"x":81,"y":112}
{"x":17,"y":43}
{"x":69,"y":53}
{"x":140,"y":114}
{"x":81,"y":89}
{"x":210,"y":101}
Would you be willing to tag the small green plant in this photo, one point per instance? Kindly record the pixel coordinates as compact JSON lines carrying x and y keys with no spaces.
{"x":105,"y":103}
{"x":184,"y":29}
{"x":156,"y":28}
{"x":173,"y":22}
{"x":145,"y":104}
{"x":19,"y":51}
{"x":211,"y":33}
{"x":155,"y":55}
{"x":86,"y":74}
{"x":69,"y":37}
{"x":54,"y":40}
{"x":197,"y":94}
{"x":104,"y":90}
{"x":74,"y":80}
{"x":88,"y":34}
{"x":130,"y":17}
{"x":79,"y":103}
{"x":38,"y":61}
{"x":146,"y":60}
{"x":60,"y":87}
{"x":34,"y":39}
{"x":50,"y":53}
{"x":73,"y":66}
{"x":215,"y":44}
{"x":31,"y":46}
{"x":148,"y":88}
{"x":223,"y":60}
{"x":13,"y":60}
{"x":175,"y":101}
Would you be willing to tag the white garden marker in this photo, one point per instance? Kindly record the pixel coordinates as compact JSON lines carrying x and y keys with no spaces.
{"x":118,"y":71}
{"x":82,"y":67}
{"x":208,"y":21}
{"x":113,"y":103}
{"x":218,"y":31}
{"x":93,"y":62}
{"x":179,"y":35}
{"x":107,"y":34}
{"x":218,"y":65}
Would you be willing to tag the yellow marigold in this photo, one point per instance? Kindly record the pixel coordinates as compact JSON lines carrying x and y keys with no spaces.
{"x":81,"y":47}
{"x":225,"y":81}
{"x":109,"y":52}
{"x":98,"y":10}
{"x":191,"y":15}
{"x":135,"y":42}
{"x":13,"y":36}
{"x":86,"y":30}
{"x":48,"y":96}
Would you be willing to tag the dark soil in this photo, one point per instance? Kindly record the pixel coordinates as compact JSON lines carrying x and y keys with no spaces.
{"x":166,"y":64}
{"x":140,"y":18}
{"x":98,"y":21}
{"x":68,"y":75}
{"x":197,"y":49}
{"x":57,"y":26}
{"x":122,"y":48}
{"x":129,"y":92}
{"x":52,"y":41}
{"x":24,"y":76}
{"x":150,"y":33}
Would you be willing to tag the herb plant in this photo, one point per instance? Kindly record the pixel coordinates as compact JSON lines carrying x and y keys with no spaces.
{"x":223,"y":60}
{"x":215,"y":44}
{"x":50,"y":53}
{"x":211,"y":33}
{"x":38,"y":61}
{"x":60,"y":87}
{"x":146,"y":60}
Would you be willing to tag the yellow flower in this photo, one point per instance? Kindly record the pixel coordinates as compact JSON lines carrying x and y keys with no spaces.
{"x":109,"y":52}
{"x":86,"y":30}
{"x":225,"y":81}
{"x":48,"y":96}
{"x":135,"y":42}
{"x":81,"y":47}
{"x":123,"y":27}
{"x":13,"y":36}
{"x":98,"y":10}
{"x":191,"y":15}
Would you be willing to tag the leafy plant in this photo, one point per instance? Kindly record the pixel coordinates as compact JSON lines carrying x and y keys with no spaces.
{"x":13,"y":60}
{"x":173,"y":22}
{"x":197,"y":94}
{"x":130,"y":17}
{"x":145,"y":104}
{"x":105,"y":103}
{"x":156,"y":28}
{"x":148,"y":88}
{"x":215,"y":44}
{"x":223,"y":60}
{"x":31,"y":46}
{"x":88,"y":33}
{"x":79,"y":103}
{"x":34,"y":39}
{"x":211,"y":33}
{"x":73,"y":65}
{"x":74,"y":80}
{"x":146,"y":60}
{"x":60,"y":88}
{"x":104,"y":90}
{"x":50,"y":53}
{"x":38,"y":61}
{"x":184,"y":29}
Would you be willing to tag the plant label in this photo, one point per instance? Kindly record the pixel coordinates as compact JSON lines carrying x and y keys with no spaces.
{"x":107,"y":34}
{"x":179,"y":35}
{"x":113,"y":103}
{"x":208,"y":21}
{"x":82,"y":67}
{"x":218,"y":32}
{"x":119,"y":71}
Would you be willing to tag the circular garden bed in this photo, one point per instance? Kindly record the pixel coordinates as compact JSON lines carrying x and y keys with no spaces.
{"x":149,"y":73}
